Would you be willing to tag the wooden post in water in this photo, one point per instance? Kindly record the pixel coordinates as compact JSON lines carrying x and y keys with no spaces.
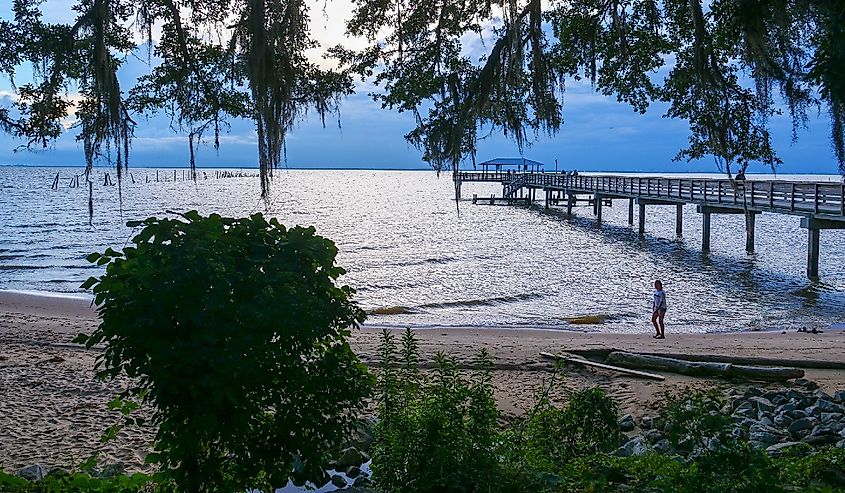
{"x":569,"y":203}
{"x":642,"y":218}
{"x":705,"y":232}
{"x":631,"y":211}
{"x":679,"y":220}
{"x":597,"y":203}
{"x":750,"y":220}
{"x":813,"y":235}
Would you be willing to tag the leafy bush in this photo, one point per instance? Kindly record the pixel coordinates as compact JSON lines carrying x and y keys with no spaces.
{"x":435,"y":434}
{"x":234,"y":331}
{"x":542,"y":445}
{"x":78,"y":483}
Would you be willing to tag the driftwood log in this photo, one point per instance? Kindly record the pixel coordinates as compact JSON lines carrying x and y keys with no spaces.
{"x":586,"y":362}
{"x":602,"y":353}
{"x":702,"y":368}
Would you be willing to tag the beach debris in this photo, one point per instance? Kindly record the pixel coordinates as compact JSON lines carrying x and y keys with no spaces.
{"x":587,"y":319}
{"x":586,"y":362}
{"x":814,"y":330}
{"x":602,"y":353}
{"x":702,"y":368}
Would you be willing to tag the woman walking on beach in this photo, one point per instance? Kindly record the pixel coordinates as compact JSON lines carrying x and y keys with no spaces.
{"x":659,"y":310}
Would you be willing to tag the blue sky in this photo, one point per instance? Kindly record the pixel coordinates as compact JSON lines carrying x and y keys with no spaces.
{"x":598,"y":134}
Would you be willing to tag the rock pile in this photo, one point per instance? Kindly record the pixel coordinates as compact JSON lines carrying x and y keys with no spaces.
{"x":799,"y":419}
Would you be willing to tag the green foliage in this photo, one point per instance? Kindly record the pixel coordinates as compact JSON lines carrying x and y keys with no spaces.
{"x":436,"y":433}
{"x":234,"y":332}
{"x":80,"y":483}
{"x":549,"y":438}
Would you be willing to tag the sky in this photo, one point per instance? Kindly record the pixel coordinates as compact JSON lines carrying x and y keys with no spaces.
{"x":598,"y":133}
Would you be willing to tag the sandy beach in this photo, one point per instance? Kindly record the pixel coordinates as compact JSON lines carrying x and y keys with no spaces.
{"x":53,"y":411}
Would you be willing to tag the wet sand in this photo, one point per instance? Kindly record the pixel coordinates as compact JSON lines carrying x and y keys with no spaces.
{"x":53,"y":411}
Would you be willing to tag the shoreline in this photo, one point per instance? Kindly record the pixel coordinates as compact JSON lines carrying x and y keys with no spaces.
{"x":61,"y":303}
{"x":53,"y":411}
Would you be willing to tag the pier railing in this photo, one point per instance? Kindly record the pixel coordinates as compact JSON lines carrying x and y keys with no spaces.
{"x":813,"y":198}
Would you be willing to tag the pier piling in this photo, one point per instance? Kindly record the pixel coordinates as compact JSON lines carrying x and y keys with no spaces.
{"x":597,"y":203}
{"x":679,"y":220}
{"x":750,"y":221}
{"x":642,"y":218}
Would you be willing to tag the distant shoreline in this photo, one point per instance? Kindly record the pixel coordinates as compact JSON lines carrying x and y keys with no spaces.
{"x":428,"y":169}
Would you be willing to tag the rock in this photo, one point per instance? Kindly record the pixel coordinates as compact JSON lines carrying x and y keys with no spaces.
{"x":339,"y":481}
{"x":762,"y":404}
{"x":779,"y":449}
{"x":827,"y":406}
{"x":840,"y":444}
{"x":822,"y":435}
{"x":627,"y":423}
{"x":634,"y":447}
{"x":821,"y":394}
{"x":663,"y":446}
{"x":362,"y":481}
{"x":351,"y":456}
{"x":112,"y":470}
{"x":362,"y":436}
{"x":649,"y":422}
{"x":807,"y":423}
{"x":764,"y":420}
{"x":782,"y":420}
{"x":746,"y":411}
{"x":830,"y":417}
{"x":779,"y":400}
{"x":714,"y":444}
{"x":35,"y":472}
{"x":353,"y":472}
{"x":807,"y":384}
{"x":789,"y":406}
{"x":839,"y":396}
{"x":794,"y":395}
{"x":57,"y":471}
{"x":752,"y":392}
{"x":765,"y":434}
{"x":796,"y":414}
{"x":653,"y":436}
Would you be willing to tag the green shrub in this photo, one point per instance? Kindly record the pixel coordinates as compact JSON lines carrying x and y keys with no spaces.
{"x":234,"y":332}
{"x":435,"y":434}
{"x":541,"y":446}
{"x":78,"y":483}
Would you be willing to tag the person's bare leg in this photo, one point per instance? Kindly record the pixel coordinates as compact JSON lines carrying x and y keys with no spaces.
{"x":662,"y":313}
{"x":654,"y":322}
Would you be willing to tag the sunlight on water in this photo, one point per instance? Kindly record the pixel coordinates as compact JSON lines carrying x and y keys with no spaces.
{"x":416,"y":261}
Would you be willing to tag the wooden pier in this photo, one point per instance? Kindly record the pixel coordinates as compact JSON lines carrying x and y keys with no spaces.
{"x":820,"y":205}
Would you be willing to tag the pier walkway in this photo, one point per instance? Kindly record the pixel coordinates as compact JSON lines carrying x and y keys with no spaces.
{"x":821,"y":205}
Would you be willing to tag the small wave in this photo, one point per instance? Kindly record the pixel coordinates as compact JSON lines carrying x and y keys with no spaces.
{"x":391,"y":310}
{"x":496,"y":300}
{"x":23,"y":267}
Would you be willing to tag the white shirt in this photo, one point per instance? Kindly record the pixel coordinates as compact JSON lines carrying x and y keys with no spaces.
{"x":659,"y":300}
